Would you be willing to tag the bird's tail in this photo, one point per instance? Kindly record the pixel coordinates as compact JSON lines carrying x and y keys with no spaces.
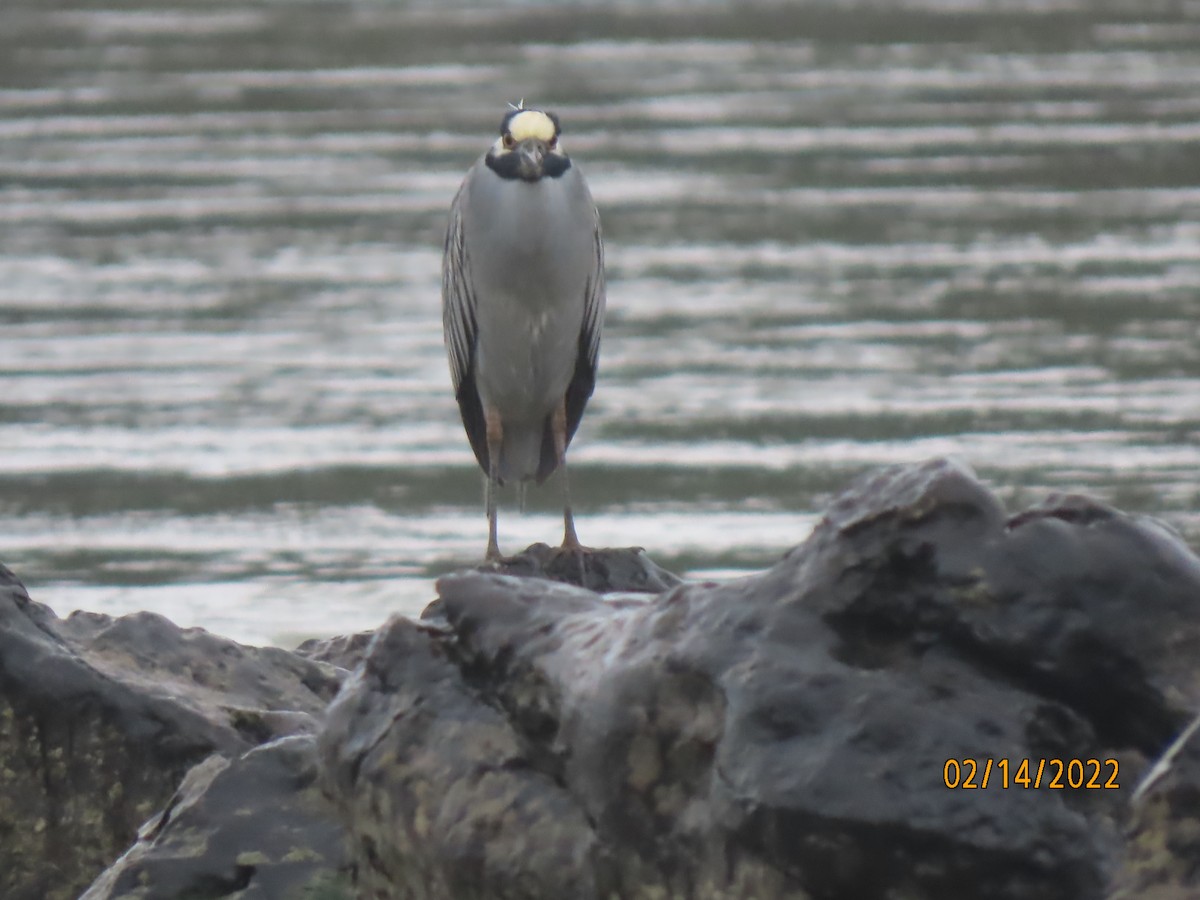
{"x":521,"y":453}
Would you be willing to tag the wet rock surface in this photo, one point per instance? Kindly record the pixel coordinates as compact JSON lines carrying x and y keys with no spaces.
{"x":253,"y":827}
{"x":787,"y":734}
{"x":101,"y":718}
{"x":603,"y":570}
{"x":1161,"y":858}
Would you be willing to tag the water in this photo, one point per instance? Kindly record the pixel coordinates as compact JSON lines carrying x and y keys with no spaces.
{"x":839,"y":236}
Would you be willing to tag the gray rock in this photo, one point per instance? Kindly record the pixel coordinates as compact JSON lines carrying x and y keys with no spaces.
{"x":256,"y":827}
{"x":627,"y":574}
{"x":786,"y":735}
{"x":1161,"y":858}
{"x":100,"y":719}
{"x":344,"y":651}
{"x":604,"y":570}
{"x":781,"y":736}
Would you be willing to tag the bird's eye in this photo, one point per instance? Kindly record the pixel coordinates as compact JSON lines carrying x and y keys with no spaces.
{"x":509,"y":143}
{"x":553,"y":142}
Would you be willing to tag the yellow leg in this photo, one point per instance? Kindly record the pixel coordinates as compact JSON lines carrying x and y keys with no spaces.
{"x":558,"y":430}
{"x":495,"y":437}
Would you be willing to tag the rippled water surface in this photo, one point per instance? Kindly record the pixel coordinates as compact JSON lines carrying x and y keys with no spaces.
{"x":839,"y":236}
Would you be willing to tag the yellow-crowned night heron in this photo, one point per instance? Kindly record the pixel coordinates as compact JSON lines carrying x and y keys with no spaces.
{"x":523,"y":305}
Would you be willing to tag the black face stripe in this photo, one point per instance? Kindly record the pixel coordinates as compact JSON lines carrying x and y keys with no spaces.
{"x":555,"y":164}
{"x":507,"y":165}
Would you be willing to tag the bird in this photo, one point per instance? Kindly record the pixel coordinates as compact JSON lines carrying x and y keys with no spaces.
{"x":523,"y":299}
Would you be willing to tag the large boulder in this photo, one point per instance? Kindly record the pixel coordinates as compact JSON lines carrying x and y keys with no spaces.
{"x":821,"y":730}
{"x":255,"y":827}
{"x":108,"y":724}
{"x":100,"y":719}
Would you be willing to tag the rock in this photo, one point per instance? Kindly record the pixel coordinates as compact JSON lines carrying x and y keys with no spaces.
{"x":606,"y":571}
{"x":344,"y":651}
{"x":787,"y":735}
{"x":256,"y":827}
{"x":615,"y":571}
{"x":456,"y":777}
{"x":1162,"y":848}
{"x":100,"y":719}
{"x":790,"y":734}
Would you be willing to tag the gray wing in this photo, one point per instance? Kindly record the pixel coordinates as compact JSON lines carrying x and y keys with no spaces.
{"x":583,"y":381}
{"x":593,"y":310}
{"x":458,"y":301}
{"x":459,"y":328}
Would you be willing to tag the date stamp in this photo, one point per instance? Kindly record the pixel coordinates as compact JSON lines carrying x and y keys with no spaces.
{"x":1055,"y":774}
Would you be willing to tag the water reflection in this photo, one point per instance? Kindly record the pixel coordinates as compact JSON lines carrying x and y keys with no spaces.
{"x":835,"y":240}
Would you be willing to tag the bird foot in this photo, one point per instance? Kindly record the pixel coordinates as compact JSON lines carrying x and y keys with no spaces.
{"x":493,"y":557}
{"x":573,"y":547}
{"x":575,"y":557}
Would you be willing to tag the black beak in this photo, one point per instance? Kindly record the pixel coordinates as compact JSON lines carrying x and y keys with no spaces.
{"x":531,"y":153}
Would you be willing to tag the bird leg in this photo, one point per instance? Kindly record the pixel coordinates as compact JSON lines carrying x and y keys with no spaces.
{"x":495,"y":436}
{"x":558,"y":430}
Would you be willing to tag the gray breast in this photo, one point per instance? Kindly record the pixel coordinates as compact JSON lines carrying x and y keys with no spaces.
{"x":532,"y":253}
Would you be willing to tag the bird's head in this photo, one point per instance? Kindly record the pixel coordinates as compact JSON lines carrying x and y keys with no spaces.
{"x":528,"y":147}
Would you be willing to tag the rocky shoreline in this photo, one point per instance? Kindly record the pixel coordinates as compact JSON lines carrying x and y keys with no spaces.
{"x":812,"y":731}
